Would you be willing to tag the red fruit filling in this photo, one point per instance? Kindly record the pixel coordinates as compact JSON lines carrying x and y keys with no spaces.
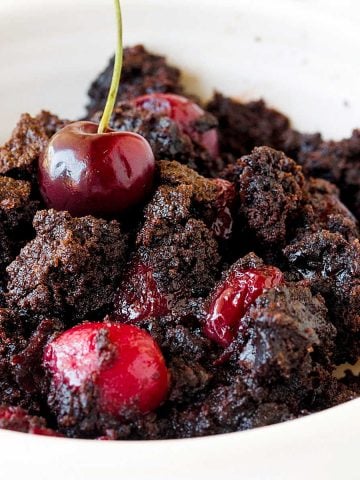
{"x":222,"y":225}
{"x":138,"y":296}
{"x":231,"y":299}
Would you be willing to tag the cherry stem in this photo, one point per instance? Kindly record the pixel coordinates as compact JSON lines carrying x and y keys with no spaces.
{"x":110,"y":102}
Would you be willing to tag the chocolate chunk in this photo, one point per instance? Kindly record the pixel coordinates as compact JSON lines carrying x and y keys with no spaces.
{"x":271,"y":190}
{"x":285,"y":327}
{"x":143,"y":72}
{"x":331,"y":265}
{"x":71,"y":267}
{"x":339,"y":163}
{"x":18,"y":157}
{"x":243,"y":126}
{"x":324,"y":210}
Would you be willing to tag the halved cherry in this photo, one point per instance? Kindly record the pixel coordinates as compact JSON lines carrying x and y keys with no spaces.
{"x":233,"y":296}
{"x":138,"y":296}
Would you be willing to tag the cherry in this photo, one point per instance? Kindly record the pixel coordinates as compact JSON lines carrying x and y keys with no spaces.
{"x":185,"y":113}
{"x":85,"y":172}
{"x":223,"y":223}
{"x":232,"y":298}
{"x":91,"y":169}
{"x":138,"y":296}
{"x":122,"y":361}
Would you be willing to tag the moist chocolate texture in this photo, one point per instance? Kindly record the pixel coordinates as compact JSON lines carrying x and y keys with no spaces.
{"x":273,"y":196}
{"x":143,"y":72}
{"x":166,"y":138}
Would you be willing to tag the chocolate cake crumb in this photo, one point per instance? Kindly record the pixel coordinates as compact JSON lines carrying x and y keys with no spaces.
{"x":17,"y":208}
{"x":261,"y":247}
{"x":286,"y":327}
{"x":71,"y":267}
{"x":19,"y":156}
{"x":324,"y":210}
{"x":181,"y":248}
{"x":21,"y":350}
{"x":226,"y":409}
{"x":339,"y":163}
{"x":50,"y":122}
{"x":213,"y":200}
{"x":176,"y":253}
{"x":271,"y":191}
{"x":142,"y":72}
{"x":243,"y":126}
{"x":331,"y":264}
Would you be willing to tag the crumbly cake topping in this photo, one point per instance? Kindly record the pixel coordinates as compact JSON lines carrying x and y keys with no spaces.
{"x":255,"y":239}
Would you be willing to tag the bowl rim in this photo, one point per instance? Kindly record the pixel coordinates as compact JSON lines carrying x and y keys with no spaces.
{"x":313,"y":424}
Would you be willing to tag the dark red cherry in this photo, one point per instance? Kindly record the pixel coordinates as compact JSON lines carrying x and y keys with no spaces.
{"x":85,"y":172}
{"x":122,"y":361}
{"x":138,"y":296}
{"x":185,"y":113}
{"x":233,"y":296}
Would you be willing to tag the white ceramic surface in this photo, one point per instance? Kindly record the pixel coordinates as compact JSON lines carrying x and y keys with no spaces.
{"x":303,"y":56}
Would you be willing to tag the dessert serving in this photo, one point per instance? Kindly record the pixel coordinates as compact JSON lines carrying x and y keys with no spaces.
{"x":171,"y":268}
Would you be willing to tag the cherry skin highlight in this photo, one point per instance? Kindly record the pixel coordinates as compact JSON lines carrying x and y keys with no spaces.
{"x":232,"y":298}
{"x":88,"y":173}
{"x":123,"y":362}
{"x":185,"y":113}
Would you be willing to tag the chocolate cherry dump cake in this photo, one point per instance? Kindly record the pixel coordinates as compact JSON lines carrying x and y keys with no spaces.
{"x":189,"y":269}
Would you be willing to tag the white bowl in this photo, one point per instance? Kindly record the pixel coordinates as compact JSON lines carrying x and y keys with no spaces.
{"x":304,"y":58}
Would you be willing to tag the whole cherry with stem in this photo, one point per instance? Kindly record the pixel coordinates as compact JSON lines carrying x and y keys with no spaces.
{"x":92,"y":169}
